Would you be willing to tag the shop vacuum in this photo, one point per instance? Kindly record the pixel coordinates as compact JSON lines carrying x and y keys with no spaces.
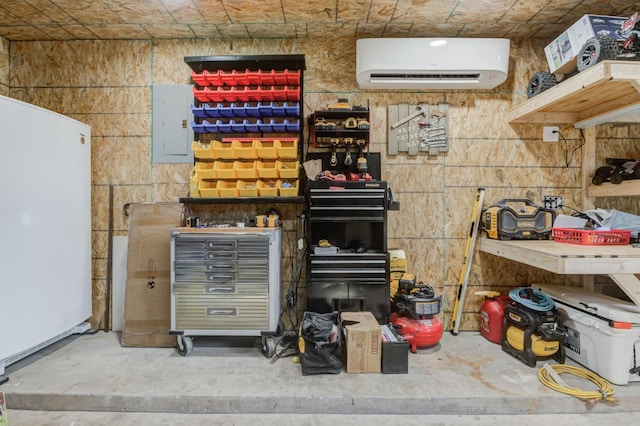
{"x":531,"y":329}
{"x":415,"y":313}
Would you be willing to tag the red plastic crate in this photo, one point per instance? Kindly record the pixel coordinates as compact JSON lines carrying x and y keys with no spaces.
{"x":591,"y":237}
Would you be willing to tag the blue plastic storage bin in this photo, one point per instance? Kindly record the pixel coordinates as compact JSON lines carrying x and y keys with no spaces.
{"x":210,"y":127}
{"x":198,"y":128}
{"x":198,"y":111}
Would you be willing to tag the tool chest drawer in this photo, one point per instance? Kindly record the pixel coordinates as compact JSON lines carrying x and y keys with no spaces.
{"x":211,"y":312}
{"x":222,"y":290}
{"x":347,"y":204}
{"x":349,"y":266}
{"x":198,"y":247}
{"x":346,"y":296}
{"x":221,"y":271}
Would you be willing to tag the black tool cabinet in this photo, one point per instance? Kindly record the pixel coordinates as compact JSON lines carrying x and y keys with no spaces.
{"x":352,"y":216}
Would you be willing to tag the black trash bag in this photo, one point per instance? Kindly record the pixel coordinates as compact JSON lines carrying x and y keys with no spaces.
{"x":320,"y":344}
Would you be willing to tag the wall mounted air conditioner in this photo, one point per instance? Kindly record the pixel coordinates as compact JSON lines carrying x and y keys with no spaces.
{"x":431,"y":63}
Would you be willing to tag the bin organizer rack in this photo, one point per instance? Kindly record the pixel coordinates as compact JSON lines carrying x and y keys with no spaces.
{"x":247,"y":120}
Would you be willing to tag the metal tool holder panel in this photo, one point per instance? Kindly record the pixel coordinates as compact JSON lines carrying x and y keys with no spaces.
{"x":418,"y":128}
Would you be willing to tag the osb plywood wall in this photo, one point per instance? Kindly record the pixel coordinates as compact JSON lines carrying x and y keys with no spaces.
{"x":4,"y":67}
{"x":107,"y":84}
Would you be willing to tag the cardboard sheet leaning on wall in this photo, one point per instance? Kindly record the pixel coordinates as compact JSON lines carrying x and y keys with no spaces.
{"x":418,"y":128}
{"x":147,"y":305}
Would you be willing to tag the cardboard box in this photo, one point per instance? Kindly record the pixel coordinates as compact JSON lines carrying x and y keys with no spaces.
{"x":397,"y":261}
{"x":395,"y":351}
{"x":362,"y":341}
{"x":561,"y":53}
{"x":147,"y":304}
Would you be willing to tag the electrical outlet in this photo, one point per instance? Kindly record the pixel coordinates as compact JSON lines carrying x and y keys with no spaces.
{"x":550,"y":134}
{"x":553,"y":201}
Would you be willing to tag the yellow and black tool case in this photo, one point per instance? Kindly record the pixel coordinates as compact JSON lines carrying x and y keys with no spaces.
{"x":517,"y":219}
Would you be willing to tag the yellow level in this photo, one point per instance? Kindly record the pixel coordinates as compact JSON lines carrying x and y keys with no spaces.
{"x":468,"y":256}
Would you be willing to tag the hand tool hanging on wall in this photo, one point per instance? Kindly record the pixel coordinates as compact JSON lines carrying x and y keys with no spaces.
{"x":347,"y":159}
{"x":361,"y":162}
{"x":468,"y":256}
{"x":334,"y":152}
{"x":418,"y":128}
{"x":420,"y":111}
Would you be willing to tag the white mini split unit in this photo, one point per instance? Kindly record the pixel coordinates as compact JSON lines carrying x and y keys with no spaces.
{"x":431,"y":63}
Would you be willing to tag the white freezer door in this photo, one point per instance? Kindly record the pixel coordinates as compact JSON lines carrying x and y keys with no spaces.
{"x":45,"y":219}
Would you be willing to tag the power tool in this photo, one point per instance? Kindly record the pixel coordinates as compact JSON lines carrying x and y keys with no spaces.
{"x":518,"y":219}
{"x":270,"y":220}
{"x":531,"y":328}
{"x":416,"y":308}
{"x":361,"y":162}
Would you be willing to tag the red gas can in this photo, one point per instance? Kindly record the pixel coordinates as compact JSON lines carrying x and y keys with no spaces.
{"x":492,"y":317}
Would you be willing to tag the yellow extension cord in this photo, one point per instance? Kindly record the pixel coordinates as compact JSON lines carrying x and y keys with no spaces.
{"x":604,"y":393}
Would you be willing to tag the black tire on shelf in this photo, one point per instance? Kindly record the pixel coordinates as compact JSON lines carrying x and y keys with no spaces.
{"x":617,"y":179}
{"x":597,"y":49}
{"x":601,"y":174}
{"x":540,"y":82}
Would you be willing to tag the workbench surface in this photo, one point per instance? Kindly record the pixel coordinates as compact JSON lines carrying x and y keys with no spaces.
{"x":621,"y":262}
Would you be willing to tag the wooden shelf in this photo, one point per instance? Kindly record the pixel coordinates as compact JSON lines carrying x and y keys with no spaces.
{"x":243,"y":200}
{"x":603,"y":88}
{"x":628,"y":188}
{"x":564,"y":258}
{"x":618,"y":262}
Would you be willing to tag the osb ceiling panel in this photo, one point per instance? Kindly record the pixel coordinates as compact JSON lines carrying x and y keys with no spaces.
{"x":237,"y":19}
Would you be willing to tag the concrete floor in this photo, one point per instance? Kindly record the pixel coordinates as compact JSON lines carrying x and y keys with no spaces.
{"x":465,"y":379}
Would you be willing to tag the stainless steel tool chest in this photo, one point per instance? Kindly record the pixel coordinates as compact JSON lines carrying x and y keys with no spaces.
{"x":224,"y":282}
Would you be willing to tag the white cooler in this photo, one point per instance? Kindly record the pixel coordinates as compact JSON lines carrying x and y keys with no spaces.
{"x":603,"y":332}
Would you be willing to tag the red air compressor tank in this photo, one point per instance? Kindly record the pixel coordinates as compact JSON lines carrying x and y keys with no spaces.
{"x":492,"y":317}
{"x":419,"y":333}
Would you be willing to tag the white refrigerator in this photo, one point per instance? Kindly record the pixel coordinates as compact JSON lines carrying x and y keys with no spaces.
{"x":45,"y":228}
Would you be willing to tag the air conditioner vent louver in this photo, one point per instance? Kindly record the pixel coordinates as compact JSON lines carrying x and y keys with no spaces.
{"x":473,"y":76}
{"x":431,"y":63}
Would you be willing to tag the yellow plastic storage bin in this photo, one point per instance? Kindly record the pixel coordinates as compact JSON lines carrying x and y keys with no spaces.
{"x":287,"y":149}
{"x":201,"y":149}
{"x":193,"y":184}
{"x":267,"y":188}
{"x":224,"y":170}
{"x":223,"y":150}
{"x":227,"y":188}
{"x":245,"y":149}
{"x":246,"y":169}
{"x":266,"y":150}
{"x":208,"y":188}
{"x":247,"y":188}
{"x":284,"y":190}
{"x":268,"y":169}
{"x":205,"y":170}
{"x":288,"y":169}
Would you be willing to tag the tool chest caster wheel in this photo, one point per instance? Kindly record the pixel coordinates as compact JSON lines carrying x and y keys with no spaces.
{"x":185,"y":345}
{"x":268,"y":346}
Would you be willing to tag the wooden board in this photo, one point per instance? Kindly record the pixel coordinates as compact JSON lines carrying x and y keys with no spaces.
{"x":605,"y":87}
{"x":564,"y":258}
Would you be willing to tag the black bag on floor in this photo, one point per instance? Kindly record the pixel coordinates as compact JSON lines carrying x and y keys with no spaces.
{"x":320,"y":344}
